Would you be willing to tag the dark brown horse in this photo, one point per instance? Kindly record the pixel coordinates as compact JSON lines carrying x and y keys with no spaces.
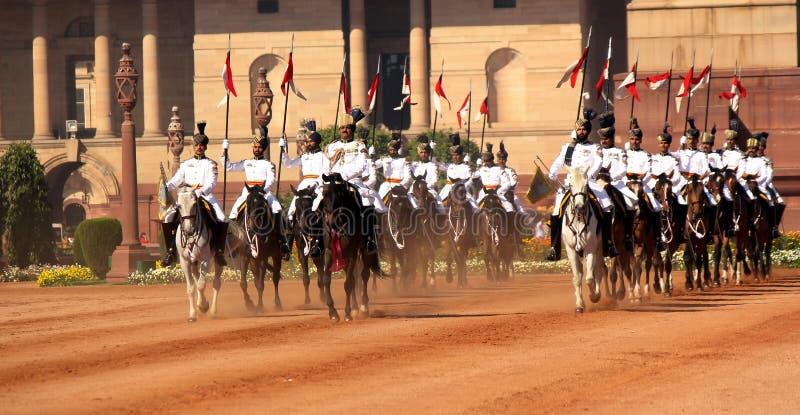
{"x":497,"y":241}
{"x":460,"y":223}
{"x":760,"y":234}
{"x":264,"y":239}
{"x":741,"y":209}
{"x":669,"y":228}
{"x":722,"y":222}
{"x":399,"y":235}
{"x":618,"y":271}
{"x":344,"y":236}
{"x":645,"y":225}
{"x":430,"y":229}
{"x":695,"y":253}
{"x":307,"y":233}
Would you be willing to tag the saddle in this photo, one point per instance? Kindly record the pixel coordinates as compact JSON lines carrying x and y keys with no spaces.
{"x":209,"y":211}
{"x":593,"y":202}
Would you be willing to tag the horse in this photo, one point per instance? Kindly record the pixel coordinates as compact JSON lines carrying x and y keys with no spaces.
{"x":460,"y":223}
{"x":263,"y":236}
{"x":193,"y":239}
{"x":695,"y":253}
{"x":581,"y":237}
{"x":493,"y":230}
{"x":429,"y":228}
{"x":761,"y":234}
{"x":669,"y":228}
{"x":620,"y":266}
{"x":740,"y":219}
{"x":645,"y":226}
{"x":722,"y":220}
{"x":344,"y":236}
{"x":307,"y":230}
{"x":398,"y":234}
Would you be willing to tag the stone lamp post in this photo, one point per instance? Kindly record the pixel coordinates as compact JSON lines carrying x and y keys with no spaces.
{"x":175,"y":134}
{"x":262,"y":103}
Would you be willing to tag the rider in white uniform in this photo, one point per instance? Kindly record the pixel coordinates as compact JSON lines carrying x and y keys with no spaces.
{"x":348,"y":157}
{"x":491,"y":177}
{"x":199,"y":172}
{"x":426,"y":168}
{"x":732,"y":161}
{"x":692,"y":163}
{"x":755,"y":168}
{"x":509,"y":178}
{"x":585,"y":154}
{"x":638,"y":167}
{"x":458,"y":169}
{"x":664,"y":162}
{"x":611,"y":173}
{"x":312,"y":164}
{"x":396,"y":171}
{"x":780,"y":205}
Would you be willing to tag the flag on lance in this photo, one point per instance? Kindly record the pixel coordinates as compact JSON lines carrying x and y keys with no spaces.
{"x":288,"y":76}
{"x":484,"y":110}
{"x":372,"y":95}
{"x":405,"y":91}
{"x":629,"y":83}
{"x":573,"y":69}
{"x":463,"y":112}
{"x":345,"y":94}
{"x":691,"y":84}
{"x":438,"y":94}
{"x":227,"y":79}
{"x":657,"y":81}
{"x":738,"y":92}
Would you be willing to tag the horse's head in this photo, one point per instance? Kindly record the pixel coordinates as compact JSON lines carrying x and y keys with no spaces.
{"x":695,"y":197}
{"x":458,"y":196}
{"x":419,"y":188}
{"x":731,"y":183}
{"x":663,"y":192}
{"x":578,"y":184}
{"x":716,"y":181}
{"x":187,"y":209}
{"x":259,"y":215}
{"x":635,"y":184}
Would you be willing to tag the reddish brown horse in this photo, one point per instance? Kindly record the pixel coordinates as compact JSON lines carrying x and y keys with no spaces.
{"x":645,"y":226}
{"x":740,"y":220}
{"x":669,"y":228}
{"x":760,"y":234}
{"x":695,"y":253}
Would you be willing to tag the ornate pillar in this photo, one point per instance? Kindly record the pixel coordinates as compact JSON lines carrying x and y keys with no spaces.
{"x":150,"y":68}
{"x":358,"y":53}
{"x":41,"y":86}
{"x":262,"y":102}
{"x":102,"y":69}
{"x":175,"y":133}
{"x":418,"y":55}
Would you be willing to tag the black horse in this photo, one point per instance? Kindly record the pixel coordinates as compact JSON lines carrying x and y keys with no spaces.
{"x":399,"y":234}
{"x":261,"y":228}
{"x":498,"y":251}
{"x":460,"y":218}
{"x":430,"y":228}
{"x":307,"y":232}
{"x":344,"y":235}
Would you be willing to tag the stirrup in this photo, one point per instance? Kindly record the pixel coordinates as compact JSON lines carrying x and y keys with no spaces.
{"x":315,"y":251}
{"x":169,"y":258}
{"x":661,"y":246}
{"x":371,"y":246}
{"x":553,"y":255}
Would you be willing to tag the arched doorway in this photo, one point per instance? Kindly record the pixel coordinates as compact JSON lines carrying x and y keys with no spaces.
{"x":74,"y":214}
{"x":506,"y":72}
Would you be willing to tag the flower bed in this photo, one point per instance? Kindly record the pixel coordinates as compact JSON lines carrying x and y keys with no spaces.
{"x":60,"y":276}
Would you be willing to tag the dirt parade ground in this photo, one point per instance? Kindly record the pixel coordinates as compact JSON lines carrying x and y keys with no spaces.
{"x":511,"y":348}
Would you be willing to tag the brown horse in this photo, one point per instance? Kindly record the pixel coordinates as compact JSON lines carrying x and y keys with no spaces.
{"x":695,"y":253}
{"x":430,"y":228}
{"x":308,"y":232}
{"x":722,"y":222}
{"x":460,"y":223}
{"x":740,"y":220}
{"x":619,"y":269}
{"x":399,"y":235}
{"x":760,"y":234}
{"x":497,"y":243}
{"x":645,"y":226}
{"x":669,"y":229}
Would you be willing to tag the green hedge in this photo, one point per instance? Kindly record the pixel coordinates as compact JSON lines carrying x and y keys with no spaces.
{"x":95,"y":241}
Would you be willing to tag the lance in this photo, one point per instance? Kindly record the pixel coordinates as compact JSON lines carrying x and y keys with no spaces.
{"x":739,"y":68}
{"x":225,"y":152}
{"x":469,"y":114}
{"x":338,"y":101}
{"x":436,"y":110}
{"x":283,"y":131}
{"x":483,"y":128}
{"x":606,"y":73}
{"x":635,"y":72}
{"x":583,"y":77}
{"x":689,"y":95}
{"x":708,"y":92}
{"x":669,"y":88}
{"x":403,"y":102}
{"x":375,"y":110}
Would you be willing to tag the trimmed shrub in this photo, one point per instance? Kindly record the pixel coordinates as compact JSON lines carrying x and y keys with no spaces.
{"x":96,"y":240}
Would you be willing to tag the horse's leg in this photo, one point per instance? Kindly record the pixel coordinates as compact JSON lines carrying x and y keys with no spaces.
{"x":190,"y":288}
{"x":276,"y":278}
{"x":449,"y":262}
{"x":259,"y":270}
{"x":363,"y":310}
{"x":577,"y":279}
{"x":638,"y":259}
{"x":648,"y":265}
{"x":349,"y":286}
{"x":320,"y":279}
{"x":738,"y":268}
{"x":243,"y":266}
{"x":306,"y":278}
{"x":216,"y":284}
{"x":202,"y":303}
{"x":688,"y":261}
{"x":462,"y":266}
{"x":668,"y":273}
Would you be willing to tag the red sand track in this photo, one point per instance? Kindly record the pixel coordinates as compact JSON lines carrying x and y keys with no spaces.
{"x":512,"y":348}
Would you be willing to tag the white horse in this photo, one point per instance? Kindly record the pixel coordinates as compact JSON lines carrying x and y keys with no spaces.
{"x":192,"y":240}
{"x":580,"y":235}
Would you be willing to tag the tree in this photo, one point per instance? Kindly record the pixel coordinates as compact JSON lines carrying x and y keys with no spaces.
{"x":26,"y":221}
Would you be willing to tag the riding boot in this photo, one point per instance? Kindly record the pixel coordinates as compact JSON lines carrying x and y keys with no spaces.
{"x":727,"y":217}
{"x":169,"y":229}
{"x":656,"y":221}
{"x":371,"y":216}
{"x":286,"y":249}
{"x":628,"y":226}
{"x":316,"y":247}
{"x":220,"y":233}
{"x":771,"y":215}
{"x":290,"y":234}
{"x":555,"y":239}
{"x":779,"y":208}
{"x":609,"y":249}
{"x":712,"y":225}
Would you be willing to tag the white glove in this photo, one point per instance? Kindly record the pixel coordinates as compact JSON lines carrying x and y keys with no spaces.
{"x":371,"y":150}
{"x":627,"y":146}
{"x":553,"y":177}
{"x":479,"y":162}
{"x":225,"y":144}
{"x":683,"y":139}
{"x":433,"y":145}
{"x":282,"y":142}
{"x":574,"y":134}
{"x":466,"y":158}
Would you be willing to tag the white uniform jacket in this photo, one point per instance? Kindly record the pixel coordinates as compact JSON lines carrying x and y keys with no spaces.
{"x":396,"y":172}
{"x":258,"y":172}
{"x":200,"y":173}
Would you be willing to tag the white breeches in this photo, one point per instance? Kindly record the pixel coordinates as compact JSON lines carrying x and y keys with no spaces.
{"x":631,"y":198}
{"x":445,"y":192}
{"x":776,"y":197}
{"x":273,"y":202}
{"x":315,"y":204}
{"x":369,"y":197}
{"x":682,"y":200}
{"x":211,"y":199}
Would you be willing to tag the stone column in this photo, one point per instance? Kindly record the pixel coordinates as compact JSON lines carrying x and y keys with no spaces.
{"x":150,"y":68}
{"x":102,"y":71}
{"x":41,"y":86}
{"x":418,"y":57}
{"x":2,"y":132}
{"x":358,"y":53}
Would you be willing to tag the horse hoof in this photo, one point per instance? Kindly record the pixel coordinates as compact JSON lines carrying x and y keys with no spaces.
{"x":717,"y":284}
{"x":307,"y":301}
{"x":192,"y":319}
{"x":594,"y":297}
{"x":203,"y":307}
{"x":348,"y":318}
{"x":579,"y":310}
{"x":279,"y":307}
{"x":667,"y":294}
{"x":335,"y":318}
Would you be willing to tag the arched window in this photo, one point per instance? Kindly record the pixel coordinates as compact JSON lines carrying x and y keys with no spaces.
{"x":505,"y":70}
{"x":80,"y":27}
